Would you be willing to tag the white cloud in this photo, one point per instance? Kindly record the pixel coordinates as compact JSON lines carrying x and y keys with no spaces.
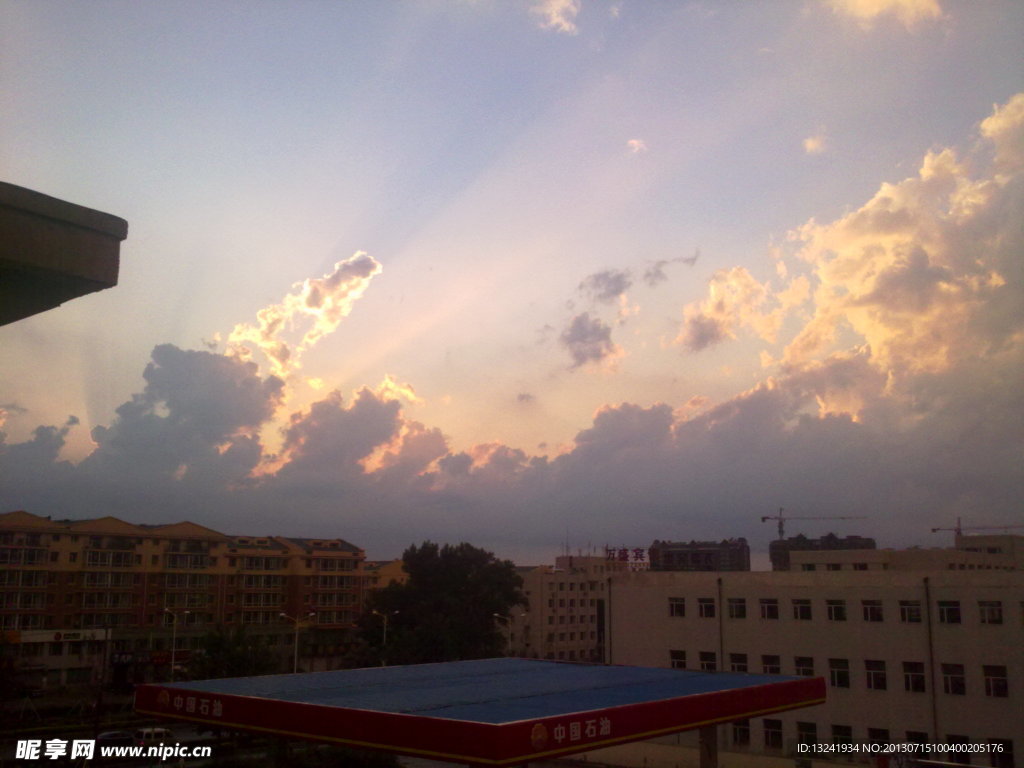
{"x":318,"y":303}
{"x":557,"y":15}
{"x":636,"y":146}
{"x":907,"y":12}
{"x":816,"y":144}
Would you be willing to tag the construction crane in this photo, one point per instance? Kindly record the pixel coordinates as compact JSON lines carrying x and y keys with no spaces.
{"x":781,"y":517}
{"x":959,"y":529}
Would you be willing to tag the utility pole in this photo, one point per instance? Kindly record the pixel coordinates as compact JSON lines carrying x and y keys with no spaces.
{"x":295,"y":650}
{"x":174,"y":635}
{"x":384,"y":639}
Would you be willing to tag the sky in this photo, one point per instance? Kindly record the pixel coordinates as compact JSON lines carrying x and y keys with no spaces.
{"x":527,"y":273}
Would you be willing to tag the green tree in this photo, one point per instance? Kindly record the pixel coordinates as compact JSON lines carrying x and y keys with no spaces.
{"x":233,"y":652}
{"x":445,"y":611}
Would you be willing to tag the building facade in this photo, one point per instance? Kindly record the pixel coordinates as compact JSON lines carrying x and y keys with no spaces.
{"x":88,"y":600}
{"x":920,"y":656}
{"x":779,"y":550}
{"x":566,"y":614}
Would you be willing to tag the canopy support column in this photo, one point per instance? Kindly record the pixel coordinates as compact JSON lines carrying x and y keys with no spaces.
{"x":709,"y":746}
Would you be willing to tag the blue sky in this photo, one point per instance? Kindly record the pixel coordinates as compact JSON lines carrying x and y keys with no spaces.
{"x":531,"y":182}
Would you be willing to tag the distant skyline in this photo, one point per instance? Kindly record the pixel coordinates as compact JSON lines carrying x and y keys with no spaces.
{"x":522,"y":273}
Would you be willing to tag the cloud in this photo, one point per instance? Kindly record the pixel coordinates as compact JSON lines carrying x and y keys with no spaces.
{"x":606,"y":286}
{"x":588,"y":340}
{"x":902,"y":327}
{"x":816,"y":144}
{"x":557,"y":15}
{"x":526,"y":398}
{"x":636,"y":146}
{"x":319,"y":304}
{"x":927,"y":273}
{"x":655,"y":272}
{"x":199,"y":412}
{"x":735,"y":300}
{"x":908,"y":12}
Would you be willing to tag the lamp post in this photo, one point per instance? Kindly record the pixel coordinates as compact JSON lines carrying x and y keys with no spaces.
{"x":508,"y":625}
{"x":298,"y":624}
{"x":174,"y":635}
{"x":384,"y":639}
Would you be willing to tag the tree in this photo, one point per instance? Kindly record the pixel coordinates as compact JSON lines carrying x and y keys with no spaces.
{"x":231,"y":653}
{"x":445,"y":611}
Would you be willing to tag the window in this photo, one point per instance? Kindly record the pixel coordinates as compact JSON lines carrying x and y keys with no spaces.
{"x":910,"y":611}
{"x":737,"y":608}
{"x":802,"y":610}
{"x":842,"y":734}
{"x":706,"y":607}
{"x":741,"y":733}
{"x":962,"y":755}
{"x":772,"y":733}
{"x":991,"y":611}
{"x":860,"y":566}
{"x":807,"y":567}
{"x":708,"y":661}
{"x":771,"y":665}
{"x":804,"y":665}
{"x":1002,"y":753}
{"x":878,"y":735}
{"x":995,"y":681}
{"x":677,"y":606}
{"x":806,"y":733}
{"x":949,"y":611}
{"x":769,"y":608}
{"x":872,"y":610}
{"x":913,"y":676}
{"x":875,"y":671}
{"x":833,"y":567}
{"x":953,"y":679}
{"x":916,"y":737}
{"x":738,"y":662}
{"x":677,"y":659}
{"x":836,"y":610}
{"x":839,"y":673}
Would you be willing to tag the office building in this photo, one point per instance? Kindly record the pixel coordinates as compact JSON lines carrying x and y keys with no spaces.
{"x":779,"y":550}
{"x":930,"y":656}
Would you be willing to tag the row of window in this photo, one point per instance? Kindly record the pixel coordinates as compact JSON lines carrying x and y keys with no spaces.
{"x":1001,"y":753}
{"x":910,"y":611}
{"x":876,"y":673}
{"x":582,"y":618}
{"x":571,"y":586}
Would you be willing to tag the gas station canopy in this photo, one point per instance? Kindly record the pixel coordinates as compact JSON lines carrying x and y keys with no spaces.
{"x":488,"y":712}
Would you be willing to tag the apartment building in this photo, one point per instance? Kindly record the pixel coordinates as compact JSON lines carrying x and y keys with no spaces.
{"x":88,"y":600}
{"x":565,"y":618}
{"x":725,"y":555}
{"x":919,"y":656}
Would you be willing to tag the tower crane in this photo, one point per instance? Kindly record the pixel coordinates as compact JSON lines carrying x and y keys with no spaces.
{"x":959,"y":529}
{"x":782,"y":518}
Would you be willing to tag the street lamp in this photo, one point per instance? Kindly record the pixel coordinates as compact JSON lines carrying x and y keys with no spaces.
{"x":174,"y":635}
{"x":508,"y":624}
{"x":384,"y":639}
{"x":298,"y":624}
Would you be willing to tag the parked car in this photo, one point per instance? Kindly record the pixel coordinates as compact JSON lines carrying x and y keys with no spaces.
{"x":115,"y":739}
{"x":146,"y":737}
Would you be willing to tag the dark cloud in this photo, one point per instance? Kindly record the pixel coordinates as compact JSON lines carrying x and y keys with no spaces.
{"x":607,"y":286}
{"x":655,"y":273}
{"x":702,"y":331}
{"x":588,"y":340}
{"x":525,"y":397}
